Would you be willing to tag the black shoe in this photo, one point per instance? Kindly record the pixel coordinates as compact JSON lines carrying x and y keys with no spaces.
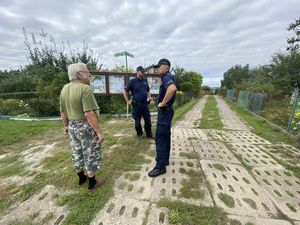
{"x":150,"y":136}
{"x":156,"y":172}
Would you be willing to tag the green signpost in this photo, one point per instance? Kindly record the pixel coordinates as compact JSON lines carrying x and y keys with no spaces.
{"x":125,"y":53}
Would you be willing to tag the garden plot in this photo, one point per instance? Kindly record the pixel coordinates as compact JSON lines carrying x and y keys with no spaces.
{"x":246,"y":220}
{"x":283,"y":188}
{"x":284,"y":152}
{"x":235,"y":136}
{"x":41,"y":208}
{"x":213,"y":150}
{"x":253,"y":155}
{"x":236,"y":191}
{"x":188,"y":134}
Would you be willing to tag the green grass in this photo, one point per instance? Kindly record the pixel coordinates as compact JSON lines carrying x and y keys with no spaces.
{"x":181,"y":213}
{"x":191,"y":187}
{"x":260,"y":126}
{"x":291,"y":207}
{"x":219,"y":167}
{"x":189,"y":155}
{"x":20,"y":130}
{"x":210,"y":115}
{"x":226,"y":199}
{"x":132,"y":176}
{"x":250,"y":202}
{"x":180,"y":112}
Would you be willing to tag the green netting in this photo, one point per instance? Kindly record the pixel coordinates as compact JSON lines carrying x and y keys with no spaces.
{"x":230,"y":94}
{"x":255,"y":101}
{"x":243,"y":99}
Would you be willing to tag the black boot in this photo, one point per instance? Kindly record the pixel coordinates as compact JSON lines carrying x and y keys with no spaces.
{"x":92,"y":182}
{"x":82,"y":178}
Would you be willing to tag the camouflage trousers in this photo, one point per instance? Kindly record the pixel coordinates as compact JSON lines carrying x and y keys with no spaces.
{"x":85,"y":150}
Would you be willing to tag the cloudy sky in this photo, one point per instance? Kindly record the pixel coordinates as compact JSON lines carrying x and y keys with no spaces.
{"x":204,"y":36}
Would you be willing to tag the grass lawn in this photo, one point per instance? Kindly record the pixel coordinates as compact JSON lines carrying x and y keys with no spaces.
{"x":14,"y":131}
{"x":210,"y":115}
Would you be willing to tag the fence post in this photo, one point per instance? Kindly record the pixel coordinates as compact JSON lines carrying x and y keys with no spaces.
{"x":295,"y":103}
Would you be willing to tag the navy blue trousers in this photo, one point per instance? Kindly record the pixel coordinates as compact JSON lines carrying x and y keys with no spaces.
{"x":139,"y":111}
{"x":163,"y":138}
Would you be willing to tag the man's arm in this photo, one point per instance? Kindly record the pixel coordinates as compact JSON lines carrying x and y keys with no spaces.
{"x":65,"y":121}
{"x":92,"y":120}
{"x":126,"y":97}
{"x":170,"y":92}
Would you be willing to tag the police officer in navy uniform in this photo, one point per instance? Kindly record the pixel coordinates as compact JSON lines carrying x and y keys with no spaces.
{"x":166,"y":98}
{"x":140,"y":92}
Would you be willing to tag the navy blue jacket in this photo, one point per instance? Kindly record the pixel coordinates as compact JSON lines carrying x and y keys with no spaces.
{"x":167,"y":79}
{"x":138,"y":88}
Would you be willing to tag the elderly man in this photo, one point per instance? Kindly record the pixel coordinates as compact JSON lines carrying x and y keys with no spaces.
{"x":80,"y":113}
{"x":139,"y":89}
{"x":166,"y":99}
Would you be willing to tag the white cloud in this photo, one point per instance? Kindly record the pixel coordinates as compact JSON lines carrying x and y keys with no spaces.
{"x":198,"y":35}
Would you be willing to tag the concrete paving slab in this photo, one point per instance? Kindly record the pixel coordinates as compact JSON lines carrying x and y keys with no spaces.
{"x":234,"y":183}
{"x":169,"y":185}
{"x":139,"y":189}
{"x":122,"y":210}
{"x":42,"y":205}
{"x":245,"y":220}
{"x":230,"y":120}
{"x":285,"y":152}
{"x":178,"y":152}
{"x":214,"y":150}
{"x":193,"y":116}
{"x":283,"y":188}
{"x":158,"y":216}
{"x":188,"y":134}
{"x":235,"y":136}
{"x":253,"y":155}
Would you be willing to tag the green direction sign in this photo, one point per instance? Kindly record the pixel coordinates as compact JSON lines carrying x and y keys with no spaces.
{"x":123,"y":53}
{"x":119,"y":54}
{"x":128,"y":54}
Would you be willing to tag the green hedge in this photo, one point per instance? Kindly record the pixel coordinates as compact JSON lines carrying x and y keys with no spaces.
{"x":18,"y":95}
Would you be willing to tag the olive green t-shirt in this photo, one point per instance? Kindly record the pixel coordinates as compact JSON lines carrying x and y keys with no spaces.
{"x":77,"y":98}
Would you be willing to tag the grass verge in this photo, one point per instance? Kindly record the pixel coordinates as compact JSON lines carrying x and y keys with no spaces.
{"x":181,"y":213}
{"x":210,"y":116}
{"x":261,"y":127}
{"x":179,"y":112}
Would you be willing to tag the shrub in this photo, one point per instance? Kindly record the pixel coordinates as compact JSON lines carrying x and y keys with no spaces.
{"x":13,"y":107}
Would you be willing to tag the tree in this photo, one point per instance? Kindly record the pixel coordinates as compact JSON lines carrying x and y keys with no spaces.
{"x":294,"y":41}
{"x":195,"y":79}
{"x":235,"y":76}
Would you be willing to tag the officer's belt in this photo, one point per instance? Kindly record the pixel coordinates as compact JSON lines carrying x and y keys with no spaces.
{"x":138,"y":103}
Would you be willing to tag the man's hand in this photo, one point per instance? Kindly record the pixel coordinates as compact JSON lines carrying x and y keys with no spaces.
{"x":129,"y":102}
{"x":100,"y":137}
{"x":66,"y":130}
{"x":161,"y":105}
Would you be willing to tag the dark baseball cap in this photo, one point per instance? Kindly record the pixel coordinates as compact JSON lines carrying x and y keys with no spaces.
{"x":140,"y":68}
{"x":162,"y":62}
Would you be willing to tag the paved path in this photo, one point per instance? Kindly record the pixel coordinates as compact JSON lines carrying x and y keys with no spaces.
{"x":258,"y":191}
{"x":257,"y":194}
